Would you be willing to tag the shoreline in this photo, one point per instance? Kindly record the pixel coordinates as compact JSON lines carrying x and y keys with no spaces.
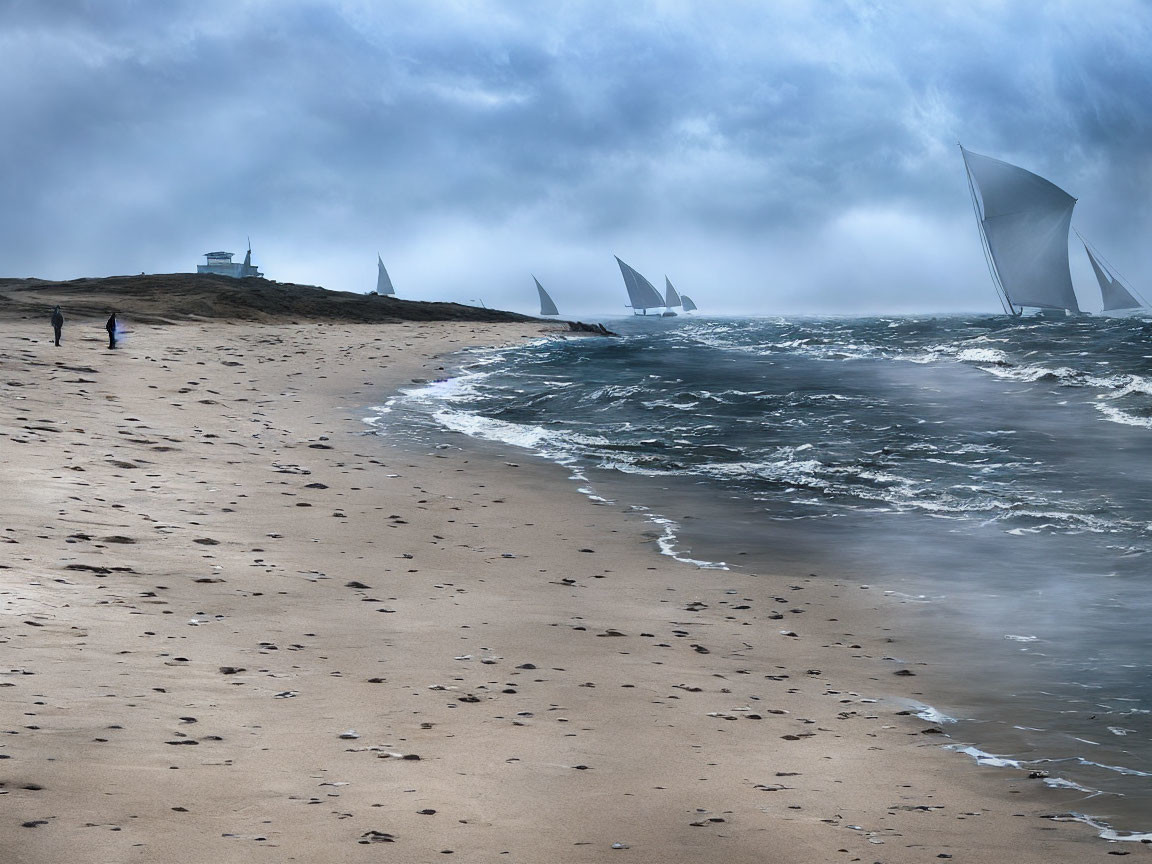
{"x":646,"y":506}
{"x":439,"y":605}
{"x":942,"y":573}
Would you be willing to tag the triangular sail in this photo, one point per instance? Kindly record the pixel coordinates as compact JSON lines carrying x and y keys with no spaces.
{"x":689,"y":306}
{"x":383,"y":283}
{"x":641,"y":293}
{"x":547,"y":307}
{"x":671,"y":298}
{"x":1024,"y":220}
{"x":1112,"y":291}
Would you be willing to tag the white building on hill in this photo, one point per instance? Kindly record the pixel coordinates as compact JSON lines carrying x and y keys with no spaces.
{"x":221,"y":264}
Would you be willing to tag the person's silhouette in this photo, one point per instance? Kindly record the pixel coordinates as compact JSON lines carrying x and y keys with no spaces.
{"x":57,"y":323}
{"x":111,"y":328}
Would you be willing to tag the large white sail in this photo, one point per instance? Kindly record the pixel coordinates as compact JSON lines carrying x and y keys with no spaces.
{"x":671,"y":298}
{"x":383,"y":283}
{"x":641,"y":294}
{"x":547,"y":307}
{"x":689,"y":306}
{"x":1024,"y":221}
{"x":1112,"y":291}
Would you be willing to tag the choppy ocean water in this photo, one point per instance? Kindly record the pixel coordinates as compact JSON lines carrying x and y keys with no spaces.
{"x":995,"y":474}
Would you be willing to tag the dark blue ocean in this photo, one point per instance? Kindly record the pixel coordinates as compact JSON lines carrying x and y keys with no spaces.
{"x":993,"y":474}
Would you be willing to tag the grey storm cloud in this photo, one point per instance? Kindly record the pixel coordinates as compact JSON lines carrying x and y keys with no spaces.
{"x":791,"y":156}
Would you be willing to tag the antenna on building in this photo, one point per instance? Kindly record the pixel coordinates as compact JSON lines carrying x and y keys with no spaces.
{"x":221,"y":264}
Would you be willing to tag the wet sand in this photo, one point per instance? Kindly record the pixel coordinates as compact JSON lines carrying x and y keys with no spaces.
{"x":237,"y":627}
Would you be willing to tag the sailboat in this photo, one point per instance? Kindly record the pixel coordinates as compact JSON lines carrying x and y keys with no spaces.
{"x":547,"y":307}
{"x":383,"y":283}
{"x":689,"y":306}
{"x":1024,"y":221}
{"x":1115,"y":295}
{"x":642,"y":296}
{"x":671,"y":298}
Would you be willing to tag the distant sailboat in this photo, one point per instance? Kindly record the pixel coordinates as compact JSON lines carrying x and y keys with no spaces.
{"x":689,"y":306}
{"x":383,"y":283}
{"x":642,"y":296}
{"x":671,"y":298}
{"x":1024,"y":221}
{"x":547,"y":307}
{"x":1114,"y":294}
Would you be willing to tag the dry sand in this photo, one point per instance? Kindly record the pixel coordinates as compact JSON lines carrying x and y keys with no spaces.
{"x":232,"y":621}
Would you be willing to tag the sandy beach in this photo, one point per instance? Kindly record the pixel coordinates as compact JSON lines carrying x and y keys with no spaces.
{"x":238,"y":626}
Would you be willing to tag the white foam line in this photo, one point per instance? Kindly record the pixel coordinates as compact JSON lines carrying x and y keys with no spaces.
{"x":667,"y":544}
{"x":983,"y":758}
{"x":932,"y":715}
{"x":1119,"y":769}
{"x":375,"y":419}
{"x":1123,"y":417}
{"x":1106,"y":832}
{"x":1061,"y":783}
{"x":588,"y":492}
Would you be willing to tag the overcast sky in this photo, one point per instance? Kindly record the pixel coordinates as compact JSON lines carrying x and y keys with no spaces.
{"x":770,"y":157}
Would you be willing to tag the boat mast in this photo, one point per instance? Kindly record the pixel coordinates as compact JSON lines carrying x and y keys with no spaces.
{"x":1001,"y":293}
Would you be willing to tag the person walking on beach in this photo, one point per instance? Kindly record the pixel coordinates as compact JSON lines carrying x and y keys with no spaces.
{"x":57,"y":323}
{"x":111,"y":328}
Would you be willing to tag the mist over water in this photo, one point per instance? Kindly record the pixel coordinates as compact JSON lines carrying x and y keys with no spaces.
{"x":992,"y":474}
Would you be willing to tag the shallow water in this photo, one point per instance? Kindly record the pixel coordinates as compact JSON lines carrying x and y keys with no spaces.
{"x":992,"y":473}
